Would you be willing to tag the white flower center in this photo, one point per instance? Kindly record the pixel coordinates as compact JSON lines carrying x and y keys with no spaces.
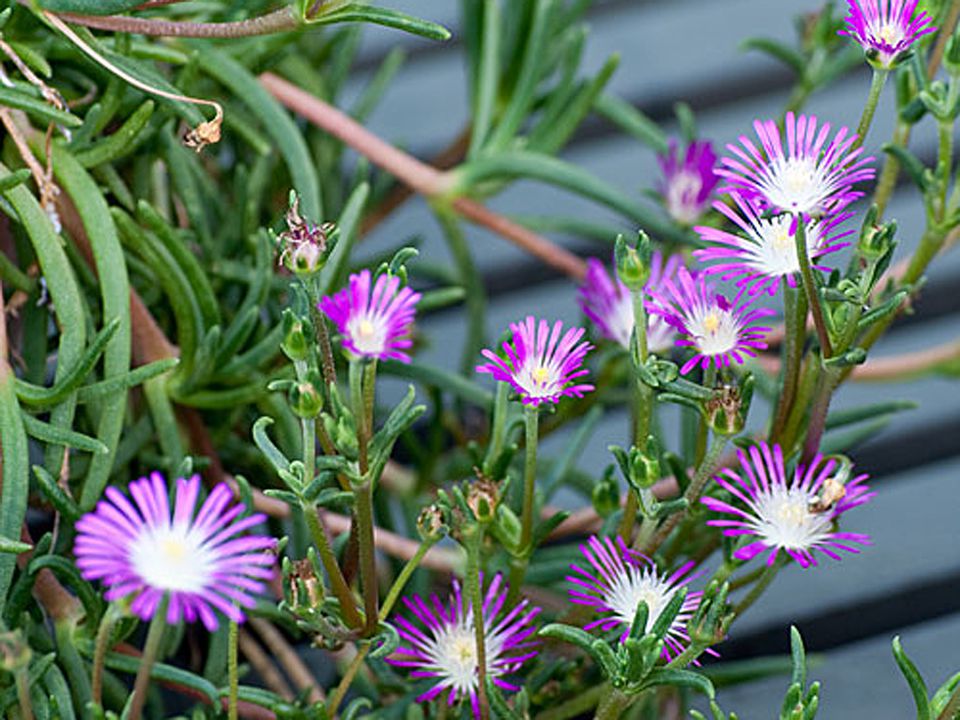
{"x":539,"y":380}
{"x":889,"y":33}
{"x":172,"y":558}
{"x":454,"y":654}
{"x":633,"y":586}
{"x":784,"y":518}
{"x":773,"y":251}
{"x":369,"y":335}
{"x":715,"y":331}
{"x":682,"y":197}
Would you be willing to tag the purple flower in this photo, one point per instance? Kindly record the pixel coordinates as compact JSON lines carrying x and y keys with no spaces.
{"x":374,"y":324}
{"x":886,"y":28}
{"x":619,"y":578}
{"x":688,"y":182}
{"x":540,"y":365}
{"x":608,"y":303}
{"x":717,"y":330}
{"x":445,"y":646}
{"x":810,"y":178}
{"x":197,"y":559}
{"x":795,"y":516}
{"x":765,"y":252}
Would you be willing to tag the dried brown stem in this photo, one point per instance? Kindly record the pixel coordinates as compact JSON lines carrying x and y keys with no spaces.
{"x":263,"y":666}
{"x":282,"y":20}
{"x":288,"y":658}
{"x":420,"y":177}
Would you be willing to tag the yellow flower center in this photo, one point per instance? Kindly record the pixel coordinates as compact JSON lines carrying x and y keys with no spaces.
{"x":174,"y":548}
{"x":365,"y":328}
{"x":464,"y":649}
{"x":711,"y":322}
{"x":792,"y":513}
{"x":541,"y":375}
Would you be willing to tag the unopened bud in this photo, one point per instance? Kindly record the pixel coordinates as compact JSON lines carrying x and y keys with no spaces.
{"x":295,"y":344}
{"x":305,"y":400}
{"x":633,"y":263}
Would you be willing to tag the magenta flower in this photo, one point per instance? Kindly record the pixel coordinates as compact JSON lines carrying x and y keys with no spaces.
{"x":717,"y":331}
{"x":607,"y":302}
{"x":886,"y":29}
{"x":809,"y":178}
{"x":374,"y":324}
{"x":765,"y":252}
{"x":445,"y":647}
{"x":795,"y":516}
{"x":540,"y":365}
{"x":688,"y":182}
{"x":619,"y":578}
{"x":198,"y":560}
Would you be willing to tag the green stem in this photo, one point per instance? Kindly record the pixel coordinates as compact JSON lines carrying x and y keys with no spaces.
{"x":818,"y":414}
{"x":693,"y":493}
{"x":795,"y":315}
{"x":810,"y":284}
{"x":703,"y":433}
{"x":100,"y":649}
{"x":348,"y":605}
{"x":613,"y":705}
{"x":498,"y":428}
{"x":398,"y":584}
{"x":346,"y":681}
{"x":891,"y":169}
{"x":233,"y":670}
{"x":944,"y":164}
{"x":951,"y":711}
{"x":151,"y":649}
{"x":866,"y":118}
{"x":474,"y":540}
{"x":518,"y":570}
{"x":643,"y":407}
{"x":359,"y":411}
{"x":23,"y":693}
{"x":769,"y":573}
{"x":472,"y":282}
{"x":368,"y":566}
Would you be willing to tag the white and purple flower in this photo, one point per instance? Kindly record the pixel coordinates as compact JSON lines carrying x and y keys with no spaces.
{"x":886,"y":29}
{"x":765,"y":252}
{"x":607,"y":302}
{"x":198,"y":559}
{"x":374,"y":323}
{"x":718,"y":331}
{"x":795,"y":515}
{"x":619,"y":578}
{"x":688,"y":180}
{"x":810,"y":177}
{"x":542,"y":364}
{"x":443,"y":645}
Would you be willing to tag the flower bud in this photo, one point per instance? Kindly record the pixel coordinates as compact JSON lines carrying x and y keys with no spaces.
{"x":606,"y":495}
{"x":295,"y":345}
{"x":304,"y":247}
{"x":483,"y":496}
{"x":305,"y":400}
{"x":431,"y":523}
{"x":633,"y":263}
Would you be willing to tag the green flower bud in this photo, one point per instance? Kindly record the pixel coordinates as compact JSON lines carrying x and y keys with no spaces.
{"x":305,"y":400}
{"x":633,"y":263}
{"x":431,"y":523}
{"x":296,"y":344}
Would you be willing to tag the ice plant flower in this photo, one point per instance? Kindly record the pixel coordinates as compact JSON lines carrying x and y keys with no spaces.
{"x":609,"y":305}
{"x":688,"y":181}
{"x":374,"y":324}
{"x":199,"y":559}
{"x":443,"y":644}
{"x":809,"y":177}
{"x":765,"y":252}
{"x":796,"y":515}
{"x":541,"y":365}
{"x":619,"y":578}
{"x":886,"y":29}
{"x":718,"y":331}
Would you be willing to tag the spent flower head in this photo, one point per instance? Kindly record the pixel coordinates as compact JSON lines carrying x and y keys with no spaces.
{"x":615,"y":582}
{"x":542,"y":364}
{"x":765,"y":252}
{"x":375,"y":322}
{"x":718,"y":331}
{"x":199,"y":559}
{"x":886,"y":29}
{"x":304,"y":246}
{"x":808,"y":177}
{"x":795,"y":514}
{"x":609,"y":305}
{"x":441,"y":642}
{"x":689,"y":179}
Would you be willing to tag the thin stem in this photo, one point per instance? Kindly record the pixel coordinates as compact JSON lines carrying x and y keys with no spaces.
{"x":359,"y":411}
{"x":813,"y":293}
{"x":23,"y":693}
{"x":368,"y":562}
{"x":518,"y":571}
{"x":474,"y":540}
{"x":282,"y":20}
{"x":703,"y":433}
{"x":326,"y":349}
{"x":613,"y":705}
{"x":944,"y":163}
{"x":891,"y":169}
{"x":412,"y":564}
{"x":150,"y":650}
{"x":769,"y":573}
{"x":100,"y":648}
{"x":946,"y":30}
{"x":643,"y":407}
{"x":346,"y":681}
{"x":693,"y":493}
{"x":873,"y":96}
{"x":233,"y":671}
{"x":348,"y":605}
{"x":818,"y":414}
{"x":498,"y":430}
{"x":795,"y":316}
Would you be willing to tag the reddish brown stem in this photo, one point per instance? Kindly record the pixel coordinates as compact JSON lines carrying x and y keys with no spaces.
{"x":282,"y":20}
